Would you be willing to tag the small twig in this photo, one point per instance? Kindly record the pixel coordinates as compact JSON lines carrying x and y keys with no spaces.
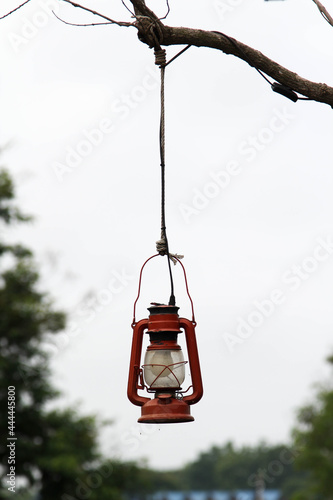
{"x":17,"y":8}
{"x":324,"y":12}
{"x":129,"y":10}
{"x":168,"y":10}
{"x":111,"y":21}
{"x":74,"y":24}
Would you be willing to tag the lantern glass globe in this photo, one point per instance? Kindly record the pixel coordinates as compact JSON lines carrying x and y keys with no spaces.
{"x":164,"y":368}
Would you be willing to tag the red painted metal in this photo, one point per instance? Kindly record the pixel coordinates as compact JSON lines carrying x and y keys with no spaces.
{"x":168,"y":406}
{"x":139,"y":288}
{"x":134,"y":373}
{"x":192,"y":349}
{"x":165,"y":409}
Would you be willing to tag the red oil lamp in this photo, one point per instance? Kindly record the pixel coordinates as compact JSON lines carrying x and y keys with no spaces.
{"x":163,"y":370}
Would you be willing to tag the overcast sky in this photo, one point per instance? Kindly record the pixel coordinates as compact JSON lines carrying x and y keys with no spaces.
{"x":249,"y":204}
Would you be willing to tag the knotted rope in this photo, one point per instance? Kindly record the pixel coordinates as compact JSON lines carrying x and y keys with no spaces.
{"x":162,"y":244}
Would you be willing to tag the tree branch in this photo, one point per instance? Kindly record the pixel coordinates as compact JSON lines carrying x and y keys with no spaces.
{"x":154,"y":33}
{"x":316,"y":91}
{"x":324,"y":12}
{"x":168,"y":35}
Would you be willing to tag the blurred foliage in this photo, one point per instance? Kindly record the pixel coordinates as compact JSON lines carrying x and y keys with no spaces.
{"x":57,"y":453}
{"x":229,"y":468}
{"x":302,"y":470}
{"x":26,"y":315}
{"x":9,"y":213}
{"x":314,"y":442}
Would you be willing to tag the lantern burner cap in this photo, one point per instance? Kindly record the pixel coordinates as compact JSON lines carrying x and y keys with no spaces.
{"x":162,"y":309}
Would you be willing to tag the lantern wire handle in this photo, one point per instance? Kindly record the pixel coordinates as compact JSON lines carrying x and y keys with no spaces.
{"x":187,"y":291}
{"x":139,"y":289}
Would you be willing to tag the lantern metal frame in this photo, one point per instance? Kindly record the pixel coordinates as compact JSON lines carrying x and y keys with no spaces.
{"x":169,"y":405}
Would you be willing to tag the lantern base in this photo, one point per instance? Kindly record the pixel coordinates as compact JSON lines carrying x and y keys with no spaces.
{"x":165,"y":409}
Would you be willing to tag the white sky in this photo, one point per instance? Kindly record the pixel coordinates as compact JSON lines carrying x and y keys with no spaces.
{"x":100,"y":219}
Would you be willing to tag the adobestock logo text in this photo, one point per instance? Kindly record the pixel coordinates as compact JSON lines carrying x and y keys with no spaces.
{"x":31,"y":26}
{"x":292,"y":279}
{"x":219,"y":180}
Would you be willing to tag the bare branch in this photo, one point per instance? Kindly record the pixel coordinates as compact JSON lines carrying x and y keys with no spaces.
{"x":186,"y":36}
{"x":17,"y":8}
{"x":154,"y":33}
{"x":110,"y":21}
{"x":168,"y":11}
{"x":326,"y":15}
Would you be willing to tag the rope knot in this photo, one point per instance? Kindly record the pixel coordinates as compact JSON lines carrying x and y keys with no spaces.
{"x":162,"y":249}
{"x":162,"y":246}
{"x":160,"y":57}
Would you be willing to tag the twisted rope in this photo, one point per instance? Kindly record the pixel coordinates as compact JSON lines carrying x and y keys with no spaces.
{"x":162,"y":244}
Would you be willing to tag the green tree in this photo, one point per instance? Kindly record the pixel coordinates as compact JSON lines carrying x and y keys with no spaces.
{"x":26,"y":315}
{"x":56,"y":451}
{"x":314,"y":442}
{"x":230,"y":468}
{"x":67,"y":446}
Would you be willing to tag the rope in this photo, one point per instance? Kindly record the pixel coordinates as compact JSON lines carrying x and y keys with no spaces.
{"x":162,"y":245}
{"x":160,"y":57}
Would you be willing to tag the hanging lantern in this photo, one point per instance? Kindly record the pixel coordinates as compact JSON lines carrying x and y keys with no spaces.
{"x":162,"y":372}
